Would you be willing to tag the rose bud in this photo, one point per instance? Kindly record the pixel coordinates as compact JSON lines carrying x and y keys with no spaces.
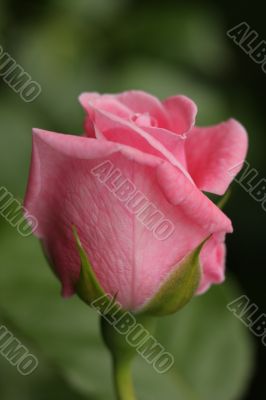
{"x":122,"y":210}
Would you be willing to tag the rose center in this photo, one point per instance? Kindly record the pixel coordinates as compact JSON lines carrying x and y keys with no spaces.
{"x":144,"y":120}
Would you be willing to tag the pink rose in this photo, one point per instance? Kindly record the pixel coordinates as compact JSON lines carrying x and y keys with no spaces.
{"x":133,"y":188}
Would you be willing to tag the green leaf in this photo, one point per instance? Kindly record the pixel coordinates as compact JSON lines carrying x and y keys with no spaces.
{"x":44,"y":383}
{"x":212,"y":349}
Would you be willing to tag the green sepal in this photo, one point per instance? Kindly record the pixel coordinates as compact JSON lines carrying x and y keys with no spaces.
{"x":222,"y":202}
{"x":88,"y":288}
{"x":178,"y":289}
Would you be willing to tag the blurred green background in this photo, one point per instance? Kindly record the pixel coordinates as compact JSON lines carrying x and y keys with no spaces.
{"x":110,"y":46}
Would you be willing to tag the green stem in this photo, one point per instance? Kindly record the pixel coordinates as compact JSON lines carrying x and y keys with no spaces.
{"x":122,"y":352}
{"x":123,"y":379}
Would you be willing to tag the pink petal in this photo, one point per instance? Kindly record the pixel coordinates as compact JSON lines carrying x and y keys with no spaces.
{"x":116,"y":129}
{"x":126,"y":256}
{"x":105,"y":102}
{"x":181,"y":112}
{"x":175,"y":144}
{"x":212,"y":258}
{"x":141,"y":102}
{"x":62,"y":192}
{"x":182,"y":193}
{"x":213,"y":152}
{"x":124,"y":105}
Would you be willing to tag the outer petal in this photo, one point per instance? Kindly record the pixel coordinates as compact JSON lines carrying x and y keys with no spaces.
{"x":182,"y":193}
{"x":213,"y":152}
{"x":85,"y":99}
{"x":181,"y":113}
{"x":212,"y":259}
{"x":126,"y":256}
